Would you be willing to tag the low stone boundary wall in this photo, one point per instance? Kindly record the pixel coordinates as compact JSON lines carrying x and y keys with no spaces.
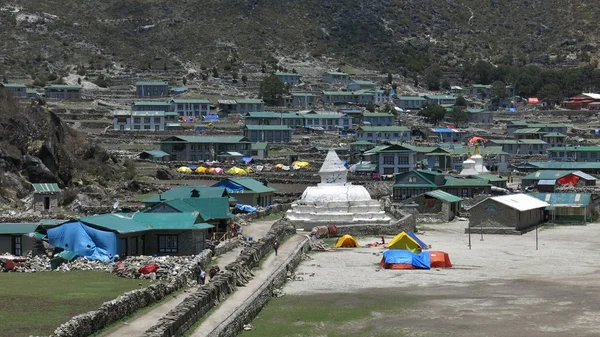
{"x":406,"y":223}
{"x":110,"y":312}
{"x":237,"y":273}
{"x":248,"y":310}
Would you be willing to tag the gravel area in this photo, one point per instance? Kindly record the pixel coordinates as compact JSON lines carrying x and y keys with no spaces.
{"x":566,"y":255}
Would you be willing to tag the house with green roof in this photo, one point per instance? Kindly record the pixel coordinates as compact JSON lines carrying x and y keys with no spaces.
{"x":480,"y":116}
{"x":289,"y":78}
{"x":204,"y":148}
{"x":378,"y":118}
{"x":520,"y":146}
{"x":547,"y":180}
{"x":567,"y":207}
{"x":438,"y":204}
{"x":152,"y":88}
{"x":45,"y":197}
{"x":513,"y":126}
{"x":63,"y":92}
{"x":575,"y":153}
{"x":186,"y":107}
{"x":188,"y":191}
{"x":214,"y":211}
{"x":15,"y":238}
{"x":348,"y":97}
{"x":361,"y":85}
{"x":248,"y":191}
{"x":304,"y":100}
{"x":417,"y":182}
{"x":361,"y":146}
{"x":336,"y":77}
{"x":555,"y":139}
{"x":392,"y":159}
{"x":441,"y":99}
{"x":18,"y":90}
{"x":244,"y":106}
{"x":124,"y":120}
{"x":410,"y":102}
{"x":151,"y":106}
{"x":260,"y":150}
{"x":332,"y":121}
{"x":154,"y":155}
{"x":268,"y":133}
{"x":587,"y":167}
{"x":452,"y":157}
{"x":378,"y":134}
{"x":263,"y":118}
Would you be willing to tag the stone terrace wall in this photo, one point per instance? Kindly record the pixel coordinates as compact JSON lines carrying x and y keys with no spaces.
{"x":238,"y":273}
{"x":110,"y":312}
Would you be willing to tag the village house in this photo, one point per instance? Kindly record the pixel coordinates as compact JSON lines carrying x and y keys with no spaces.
{"x":378,"y":134}
{"x":260,"y":150}
{"x":336,"y":77}
{"x":361,"y":85}
{"x":417,"y":182}
{"x":150,"y":106}
{"x":452,"y":157}
{"x":555,"y":139}
{"x":304,"y":100}
{"x":575,"y":153}
{"x":247,"y":105}
{"x":380,"y":96}
{"x":191,"y":107}
{"x":331,"y":121}
{"x":160,"y":156}
{"x":31,"y":93}
{"x":547,"y":180}
{"x":227,"y":106}
{"x":567,"y":207}
{"x":583,"y":101}
{"x":45,"y":197}
{"x":440,"y":99}
{"x":200,"y":148}
{"x":513,"y":126}
{"x":587,"y":167}
{"x":63,"y":91}
{"x":16,"y":89}
{"x":289,"y":78}
{"x":410,"y":102}
{"x":152,"y":89}
{"x":520,"y":146}
{"x":248,"y":191}
{"x":188,"y":191}
{"x":15,"y":238}
{"x":391,"y":159}
{"x":361,"y":146}
{"x":480,"y":116}
{"x":513,"y":213}
{"x":141,"y":120}
{"x":214,"y":211}
{"x":268,"y":133}
{"x":447,"y":135}
{"x":494,"y":180}
{"x":263,"y":118}
{"x":378,"y":118}
{"x":437,"y":203}
{"x":176,"y":91}
{"x":345,"y":97}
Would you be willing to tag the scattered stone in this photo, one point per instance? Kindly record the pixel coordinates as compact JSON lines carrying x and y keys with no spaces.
{"x":248,"y":327}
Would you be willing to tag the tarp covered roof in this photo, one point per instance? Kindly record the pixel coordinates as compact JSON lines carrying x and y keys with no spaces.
{"x":244,"y":185}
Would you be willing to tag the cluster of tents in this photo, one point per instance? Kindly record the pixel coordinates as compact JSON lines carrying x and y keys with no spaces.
{"x":215,"y":170}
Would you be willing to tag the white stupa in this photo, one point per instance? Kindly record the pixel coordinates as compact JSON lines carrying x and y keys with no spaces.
{"x":469,"y":167}
{"x":479,"y":166}
{"x":335,"y":201}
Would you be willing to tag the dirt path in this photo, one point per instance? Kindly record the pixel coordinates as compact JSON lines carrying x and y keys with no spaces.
{"x":137,"y":325}
{"x":228,"y":307}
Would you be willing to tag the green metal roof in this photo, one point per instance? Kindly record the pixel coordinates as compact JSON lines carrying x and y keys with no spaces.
{"x":366,"y":167}
{"x":324,"y":115}
{"x":336,"y":73}
{"x":303,"y":94}
{"x":31,"y":91}
{"x":476,"y":111}
{"x":262,"y":114}
{"x":444,"y":196}
{"x":13,"y":85}
{"x":362,"y":82}
{"x":411,"y":98}
{"x":146,"y":103}
{"x":17,"y":228}
{"x":485,"y":86}
{"x":528,"y":130}
{"x":141,"y":222}
{"x":547,"y":175}
{"x":440,"y":97}
{"x":46,"y":188}
{"x":362,"y":142}
{"x":203,"y":139}
{"x":457,"y":182}
{"x":490,"y":177}
{"x":182,"y":89}
{"x":546,"y":125}
{"x":576,"y":148}
{"x":286,"y":74}
{"x":148,"y":113}
{"x":383,"y":129}
{"x":564,"y":165}
{"x":260,"y":146}
{"x":191,"y":101}
{"x":253,"y":185}
{"x":564,"y":199}
{"x":156,"y":154}
{"x":208,"y":208}
{"x":62,"y":86}
{"x":152,"y":83}
{"x":554,"y":134}
{"x":268,"y":127}
{"x":377,"y":114}
{"x":518,"y":141}
{"x":184,"y":192}
{"x":250,"y":101}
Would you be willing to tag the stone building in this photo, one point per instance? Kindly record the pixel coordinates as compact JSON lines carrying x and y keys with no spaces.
{"x":45,"y":197}
{"x":152,"y":89}
{"x":438,"y":204}
{"x":507,"y":214}
{"x":197,"y":148}
{"x":15,"y":239}
{"x":18,"y":90}
{"x":63,"y":91}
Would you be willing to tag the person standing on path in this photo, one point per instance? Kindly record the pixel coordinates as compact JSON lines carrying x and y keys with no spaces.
{"x":276,"y":246}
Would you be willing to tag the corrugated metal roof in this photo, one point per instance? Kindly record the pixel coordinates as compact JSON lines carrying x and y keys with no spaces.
{"x":157,"y":154}
{"x":46,"y":188}
{"x":490,"y":177}
{"x":252,"y":185}
{"x":584,"y":175}
{"x":383,"y":128}
{"x":262,"y":114}
{"x":444,"y":196}
{"x":152,"y":83}
{"x":260,"y":146}
{"x":17,"y":228}
{"x":564,"y":199}
{"x":457,"y":182}
{"x":140,"y":222}
{"x":250,"y":101}
{"x":150,"y":103}
{"x":191,"y":101}
{"x":268,"y":127}
{"x":549,"y":182}
{"x":547,"y":175}
{"x":209,"y":208}
{"x":182,"y":192}
{"x":575,"y":148}
{"x":520,"y":202}
{"x":203,"y":139}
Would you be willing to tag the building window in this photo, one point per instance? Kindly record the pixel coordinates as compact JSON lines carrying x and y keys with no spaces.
{"x":167,"y":244}
{"x":412,"y":179}
{"x":403,"y":160}
{"x":147,"y":120}
{"x":397,"y":194}
{"x":156,"y":120}
{"x":136,"y":127}
{"x":388,"y":170}
{"x":146,"y":127}
{"x":137,"y":120}
{"x":388,"y":160}
{"x":17,"y":248}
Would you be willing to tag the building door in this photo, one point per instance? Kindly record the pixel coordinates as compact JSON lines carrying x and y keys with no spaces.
{"x":143,"y":242}
{"x":17,"y":247}
{"x":122,"y":127}
{"x":134,"y":245}
{"x":46,"y":203}
{"x":123,"y":250}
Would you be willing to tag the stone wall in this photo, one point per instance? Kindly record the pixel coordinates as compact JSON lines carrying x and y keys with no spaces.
{"x":238,"y":273}
{"x":112,"y":311}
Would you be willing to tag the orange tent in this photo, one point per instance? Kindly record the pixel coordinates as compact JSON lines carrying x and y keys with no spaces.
{"x":439,"y":260}
{"x":569,"y":179}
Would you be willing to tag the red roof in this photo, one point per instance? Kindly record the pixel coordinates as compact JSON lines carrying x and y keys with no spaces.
{"x":533,"y":100}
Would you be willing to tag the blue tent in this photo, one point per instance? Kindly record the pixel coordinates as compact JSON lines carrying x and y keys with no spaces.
{"x":246,"y":208}
{"x":247,"y":159}
{"x":401,"y":256}
{"x":193,"y":167}
{"x":230,"y":186}
{"x":85,"y":241}
{"x":417,"y":240}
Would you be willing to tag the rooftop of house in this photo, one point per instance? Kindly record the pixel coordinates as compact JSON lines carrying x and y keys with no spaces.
{"x":46,"y":188}
{"x":490,"y":177}
{"x":443,"y":196}
{"x":520,"y":202}
{"x":155,"y":153}
{"x":244,"y":185}
{"x":208,"y":208}
{"x":476,"y":111}
{"x":250,"y":101}
{"x":576,"y":148}
{"x":465,"y":182}
{"x":339,"y":73}
{"x":62,"y":86}
{"x":161,"y":83}
{"x":347,"y":93}
{"x":528,"y":131}
{"x":362,"y":142}
{"x":13,"y":85}
{"x":518,"y":141}
{"x":207,"y":139}
{"x":554,"y":134}
{"x":190,"y":101}
{"x":151,"y":103}
{"x":260,"y":146}
{"x":303,"y":94}
{"x":183,"y":192}
{"x":362,"y":82}
{"x":141,"y":222}
{"x":556,"y":174}
{"x":377,"y":114}
{"x":263,"y":114}
{"x":555,"y":165}
{"x":18,"y":228}
{"x":564,"y":199}
{"x":411,"y":98}
{"x":268,"y":127}
{"x":366,"y":128}
{"x":440,"y":97}
{"x":279,"y":73}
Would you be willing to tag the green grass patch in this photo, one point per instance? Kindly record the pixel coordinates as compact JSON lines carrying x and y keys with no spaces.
{"x":37,"y":303}
{"x":369,"y":313}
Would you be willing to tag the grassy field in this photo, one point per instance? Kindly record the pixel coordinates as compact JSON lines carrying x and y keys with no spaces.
{"x":332,"y":315}
{"x":37,"y":303}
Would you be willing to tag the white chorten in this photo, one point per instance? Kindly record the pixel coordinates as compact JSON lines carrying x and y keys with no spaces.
{"x":335,"y":201}
{"x":469,"y":167}
{"x":479,"y":166}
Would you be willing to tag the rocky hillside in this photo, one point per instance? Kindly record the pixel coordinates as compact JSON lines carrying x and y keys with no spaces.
{"x":401,"y":35}
{"x":36,"y":146}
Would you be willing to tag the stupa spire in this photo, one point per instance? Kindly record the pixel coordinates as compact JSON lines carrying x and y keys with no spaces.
{"x":333,"y":170}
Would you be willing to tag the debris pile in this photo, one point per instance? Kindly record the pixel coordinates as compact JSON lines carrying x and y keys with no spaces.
{"x":277,"y":292}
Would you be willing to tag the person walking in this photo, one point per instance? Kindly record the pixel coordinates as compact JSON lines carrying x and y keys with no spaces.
{"x":201,"y":277}
{"x":276,"y":246}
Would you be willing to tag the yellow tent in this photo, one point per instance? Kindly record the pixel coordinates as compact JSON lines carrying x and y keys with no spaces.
{"x":236,"y":170}
{"x":279,"y":166}
{"x":404,"y":241}
{"x":184,"y":169}
{"x":346,"y":241}
{"x":249,"y":170}
{"x":201,"y":169}
{"x":301,"y":164}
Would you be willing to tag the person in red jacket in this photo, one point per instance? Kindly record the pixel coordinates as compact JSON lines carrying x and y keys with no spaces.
{"x":276,"y":246}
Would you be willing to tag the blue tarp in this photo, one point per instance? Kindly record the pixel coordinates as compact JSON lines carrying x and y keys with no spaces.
{"x":211,"y":117}
{"x":345,"y":163}
{"x":444,"y":130}
{"x":247,"y":159}
{"x":246,"y":208}
{"x":417,"y":240}
{"x":421,"y":260}
{"x":512,"y":110}
{"x":85,"y":241}
{"x":230,"y":186}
